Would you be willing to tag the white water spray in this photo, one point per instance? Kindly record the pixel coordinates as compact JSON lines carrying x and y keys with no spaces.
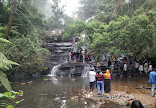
{"x":85,"y":71}
{"x":63,"y":104}
{"x":54,"y":70}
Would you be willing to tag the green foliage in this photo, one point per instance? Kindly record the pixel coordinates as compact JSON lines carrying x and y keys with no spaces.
{"x":5,"y":64}
{"x":24,"y":36}
{"x":4,"y":40}
{"x":28,"y":54}
{"x":107,"y":10}
{"x":4,"y":13}
{"x":4,"y":81}
{"x":11,"y":98}
{"x":27,"y":19}
{"x":13,"y":31}
{"x":56,"y":21}
{"x":74,"y":29}
{"x":133,"y":35}
{"x":87,"y":10}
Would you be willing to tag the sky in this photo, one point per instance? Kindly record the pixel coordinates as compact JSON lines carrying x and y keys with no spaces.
{"x":70,"y":6}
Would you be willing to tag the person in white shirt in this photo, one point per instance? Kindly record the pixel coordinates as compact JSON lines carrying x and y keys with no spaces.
{"x":125,"y":70}
{"x":146,"y":68}
{"x":150,"y":67}
{"x":141,"y":69}
{"x":92,"y":79}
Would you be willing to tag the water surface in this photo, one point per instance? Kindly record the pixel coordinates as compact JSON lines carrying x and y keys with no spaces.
{"x":67,"y":92}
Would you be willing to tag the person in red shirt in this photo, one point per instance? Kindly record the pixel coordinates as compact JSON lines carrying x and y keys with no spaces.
{"x":99,"y":80}
{"x":89,"y":57}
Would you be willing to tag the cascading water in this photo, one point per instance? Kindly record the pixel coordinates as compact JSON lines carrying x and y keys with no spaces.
{"x":61,"y":65}
{"x":59,"y":56}
{"x":85,"y":71}
{"x":55,"y":70}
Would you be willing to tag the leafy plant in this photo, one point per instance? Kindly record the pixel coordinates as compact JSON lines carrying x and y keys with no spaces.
{"x":5,"y":64}
{"x":11,"y":99}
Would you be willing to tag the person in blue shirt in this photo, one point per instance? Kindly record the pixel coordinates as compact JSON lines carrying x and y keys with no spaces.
{"x":152,"y":76}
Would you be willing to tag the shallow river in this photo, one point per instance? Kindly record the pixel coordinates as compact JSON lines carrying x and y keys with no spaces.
{"x":67,"y":92}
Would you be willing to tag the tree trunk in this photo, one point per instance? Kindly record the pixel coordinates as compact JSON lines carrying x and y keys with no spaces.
{"x":10,"y":19}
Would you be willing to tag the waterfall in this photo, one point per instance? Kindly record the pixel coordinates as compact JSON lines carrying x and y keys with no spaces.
{"x":85,"y":71}
{"x":55,"y":70}
{"x":59,"y":61}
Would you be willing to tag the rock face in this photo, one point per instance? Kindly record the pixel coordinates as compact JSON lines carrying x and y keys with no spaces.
{"x":58,"y":52}
{"x":70,"y":69}
{"x":58,"y":60}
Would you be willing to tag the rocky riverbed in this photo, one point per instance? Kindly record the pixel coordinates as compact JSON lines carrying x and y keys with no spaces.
{"x":122,"y":98}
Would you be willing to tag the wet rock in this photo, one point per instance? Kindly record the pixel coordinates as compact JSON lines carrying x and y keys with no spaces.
{"x":123,"y":102}
{"x":57,"y":99}
{"x":74,"y":98}
{"x":85,"y":103}
{"x":46,"y":79}
{"x":72,"y":69}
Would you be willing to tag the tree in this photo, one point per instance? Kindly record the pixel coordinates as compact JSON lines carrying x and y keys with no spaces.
{"x":24,"y":36}
{"x":74,"y":29}
{"x":87,"y":11}
{"x":107,"y":10}
{"x":10,"y":19}
{"x":133,"y":35}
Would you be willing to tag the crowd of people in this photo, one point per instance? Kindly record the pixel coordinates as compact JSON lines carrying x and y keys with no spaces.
{"x":103,"y":84}
{"x":78,"y":56}
{"x":126,"y":67}
{"x":75,"y":56}
{"x":102,"y":81}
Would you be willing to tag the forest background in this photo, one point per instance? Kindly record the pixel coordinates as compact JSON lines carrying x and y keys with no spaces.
{"x":116,"y":26}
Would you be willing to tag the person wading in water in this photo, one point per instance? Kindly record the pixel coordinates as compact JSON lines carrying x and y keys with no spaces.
{"x":100,"y":84}
{"x":107,"y":78}
{"x":92,"y":75}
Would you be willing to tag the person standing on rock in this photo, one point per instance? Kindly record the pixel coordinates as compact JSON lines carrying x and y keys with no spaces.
{"x":152,"y":76}
{"x":92,"y":75}
{"x":81,"y":57}
{"x":100,"y":84}
{"x":69,"y":56}
{"x":98,"y":64}
{"x":107,"y":78}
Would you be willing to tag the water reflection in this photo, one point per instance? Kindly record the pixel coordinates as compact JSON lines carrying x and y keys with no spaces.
{"x":58,"y":92}
{"x":55,"y":80}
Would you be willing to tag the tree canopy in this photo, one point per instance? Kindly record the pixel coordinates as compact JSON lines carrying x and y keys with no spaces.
{"x":117,"y":27}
